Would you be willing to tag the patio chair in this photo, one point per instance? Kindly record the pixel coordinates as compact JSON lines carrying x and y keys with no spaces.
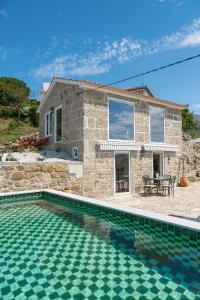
{"x":171,"y":185}
{"x":147,"y":185}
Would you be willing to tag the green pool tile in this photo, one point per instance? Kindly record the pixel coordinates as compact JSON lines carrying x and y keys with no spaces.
{"x":59,"y":249}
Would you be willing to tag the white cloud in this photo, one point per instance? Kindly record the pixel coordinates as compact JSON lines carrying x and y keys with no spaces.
{"x":3,"y":13}
{"x":176,"y":2}
{"x":102,"y":56}
{"x":92,"y":63}
{"x":71,"y":65}
{"x":187,"y":36}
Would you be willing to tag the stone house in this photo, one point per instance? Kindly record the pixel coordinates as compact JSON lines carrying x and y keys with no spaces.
{"x":119,"y":135}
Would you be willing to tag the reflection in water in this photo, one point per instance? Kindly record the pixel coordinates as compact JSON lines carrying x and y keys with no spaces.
{"x":173,"y":255}
{"x":160,"y":247}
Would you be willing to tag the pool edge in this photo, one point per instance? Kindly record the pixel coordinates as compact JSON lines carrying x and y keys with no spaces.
{"x":182,"y":222}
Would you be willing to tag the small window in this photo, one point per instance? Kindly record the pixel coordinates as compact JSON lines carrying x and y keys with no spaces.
{"x":175,"y":118}
{"x":48,"y":123}
{"x":58,"y":125}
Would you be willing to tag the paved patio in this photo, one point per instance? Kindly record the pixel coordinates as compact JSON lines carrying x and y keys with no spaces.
{"x":185,"y":203}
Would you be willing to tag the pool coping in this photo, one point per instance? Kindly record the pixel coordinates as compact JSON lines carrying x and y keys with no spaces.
{"x":134,"y":211}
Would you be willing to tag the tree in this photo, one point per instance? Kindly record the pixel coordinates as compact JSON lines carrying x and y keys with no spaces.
{"x":32,"y":112}
{"x":14,"y":93}
{"x":188,"y":121}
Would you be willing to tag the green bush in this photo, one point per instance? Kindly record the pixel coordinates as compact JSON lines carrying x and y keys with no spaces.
{"x":14,"y":124}
{"x":7,"y":111}
{"x":33,"y":116}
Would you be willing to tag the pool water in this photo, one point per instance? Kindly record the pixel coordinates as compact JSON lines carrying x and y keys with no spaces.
{"x":56,"y":249}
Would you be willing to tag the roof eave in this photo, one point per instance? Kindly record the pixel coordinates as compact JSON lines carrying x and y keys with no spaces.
{"x":51,"y":86}
{"x":136,"y":96}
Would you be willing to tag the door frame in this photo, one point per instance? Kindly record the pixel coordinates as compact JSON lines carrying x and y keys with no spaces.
{"x":163,"y":161}
{"x":129,"y":172}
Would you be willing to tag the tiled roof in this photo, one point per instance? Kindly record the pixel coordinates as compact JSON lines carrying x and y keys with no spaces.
{"x":125,"y":92}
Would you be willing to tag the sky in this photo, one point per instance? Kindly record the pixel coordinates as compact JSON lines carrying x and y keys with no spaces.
{"x":103,"y":41}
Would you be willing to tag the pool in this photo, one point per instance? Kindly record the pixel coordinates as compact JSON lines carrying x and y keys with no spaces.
{"x":55,"y":247}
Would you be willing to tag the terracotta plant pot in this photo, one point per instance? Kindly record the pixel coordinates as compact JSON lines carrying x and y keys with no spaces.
{"x":184,"y":181}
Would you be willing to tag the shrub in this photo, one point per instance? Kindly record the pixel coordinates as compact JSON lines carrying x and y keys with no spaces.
{"x":7,"y":111}
{"x":33,"y":115}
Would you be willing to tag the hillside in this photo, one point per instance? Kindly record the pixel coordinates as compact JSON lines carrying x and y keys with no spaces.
{"x":197,"y":120}
{"x":11,"y":129}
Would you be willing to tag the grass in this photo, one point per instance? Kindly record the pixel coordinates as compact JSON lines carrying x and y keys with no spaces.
{"x":11,"y":129}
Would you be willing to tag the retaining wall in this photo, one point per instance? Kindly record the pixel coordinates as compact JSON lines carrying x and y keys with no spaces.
{"x":59,"y":176}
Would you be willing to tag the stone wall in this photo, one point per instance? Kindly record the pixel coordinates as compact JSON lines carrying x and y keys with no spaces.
{"x":99,"y":165}
{"x":190,"y":160}
{"x":72,"y":118}
{"x":58,"y":176}
{"x":85,"y":122}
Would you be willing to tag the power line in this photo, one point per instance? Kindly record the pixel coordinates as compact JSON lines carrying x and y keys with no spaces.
{"x":143,"y":73}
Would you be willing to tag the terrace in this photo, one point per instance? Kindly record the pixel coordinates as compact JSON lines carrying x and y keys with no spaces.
{"x":185,"y":203}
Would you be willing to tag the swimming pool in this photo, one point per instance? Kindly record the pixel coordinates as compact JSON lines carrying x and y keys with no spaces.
{"x":55,"y":247}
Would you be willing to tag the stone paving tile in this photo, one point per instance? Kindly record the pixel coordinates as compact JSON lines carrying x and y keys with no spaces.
{"x":185,"y":203}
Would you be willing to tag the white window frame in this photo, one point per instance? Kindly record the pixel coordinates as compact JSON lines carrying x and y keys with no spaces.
{"x":48,"y":114}
{"x":129,"y":166}
{"x":161,"y":108}
{"x":55,"y":124}
{"x":126,"y":101}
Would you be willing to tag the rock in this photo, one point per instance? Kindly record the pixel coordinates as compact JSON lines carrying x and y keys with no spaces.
{"x":60,"y":168}
{"x":32,"y":168}
{"x":26,"y":176}
{"x":48,"y":168}
{"x":18,"y":176}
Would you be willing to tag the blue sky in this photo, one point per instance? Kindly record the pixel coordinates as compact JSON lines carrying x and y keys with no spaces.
{"x":103,"y":41}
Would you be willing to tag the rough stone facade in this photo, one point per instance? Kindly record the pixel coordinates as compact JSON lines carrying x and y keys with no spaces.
{"x":72,"y":118}
{"x":18,"y":177}
{"x":190,"y":160}
{"x":99,"y":165}
{"x":85,"y":122}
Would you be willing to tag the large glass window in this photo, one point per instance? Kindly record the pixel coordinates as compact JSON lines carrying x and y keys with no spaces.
{"x":48,"y":123}
{"x":157,"y":124}
{"x":58,"y":123}
{"x":121,"y":120}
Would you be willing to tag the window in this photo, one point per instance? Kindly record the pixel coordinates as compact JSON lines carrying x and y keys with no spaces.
{"x":158,"y":165}
{"x":122,"y":172}
{"x":175,"y":118}
{"x":58,"y":125}
{"x":48,"y":123}
{"x":157,"y":124}
{"x":121,"y":120}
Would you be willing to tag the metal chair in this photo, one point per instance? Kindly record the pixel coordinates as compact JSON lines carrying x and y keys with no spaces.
{"x":147,"y":185}
{"x":171,"y":185}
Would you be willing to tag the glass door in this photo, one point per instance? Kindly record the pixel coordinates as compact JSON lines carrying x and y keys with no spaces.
{"x":157,"y":165}
{"x":121,"y":172}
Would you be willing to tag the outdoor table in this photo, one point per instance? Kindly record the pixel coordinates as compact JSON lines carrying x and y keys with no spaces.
{"x":160,"y":183}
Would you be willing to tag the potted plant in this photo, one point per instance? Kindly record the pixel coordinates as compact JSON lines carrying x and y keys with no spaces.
{"x":183,"y":179}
